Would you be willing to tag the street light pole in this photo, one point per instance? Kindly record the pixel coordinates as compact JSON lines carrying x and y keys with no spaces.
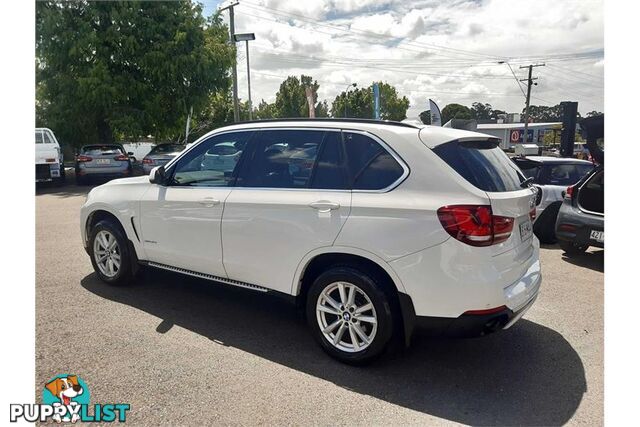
{"x":247,"y":37}
{"x":234,"y":71}
{"x":249,"y":80}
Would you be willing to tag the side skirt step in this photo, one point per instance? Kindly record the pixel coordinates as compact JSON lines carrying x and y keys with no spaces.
{"x":206,"y":276}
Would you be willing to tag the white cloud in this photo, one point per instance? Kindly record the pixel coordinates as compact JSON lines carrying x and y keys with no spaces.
{"x":448,"y":51}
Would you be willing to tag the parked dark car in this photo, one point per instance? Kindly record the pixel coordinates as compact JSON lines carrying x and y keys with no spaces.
{"x":102,"y":161}
{"x":160,"y":155}
{"x":580,"y":222}
{"x":552,"y":176}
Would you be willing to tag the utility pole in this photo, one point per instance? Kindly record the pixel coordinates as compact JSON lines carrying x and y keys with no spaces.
{"x":234,"y":72}
{"x":247,"y":37}
{"x":530,"y":83}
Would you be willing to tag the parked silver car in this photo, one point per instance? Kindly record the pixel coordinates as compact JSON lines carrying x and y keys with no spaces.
{"x":160,"y":155}
{"x":102,"y":161}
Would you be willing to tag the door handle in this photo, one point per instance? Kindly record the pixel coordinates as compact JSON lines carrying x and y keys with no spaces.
{"x":324,"y":205}
{"x":209,"y":202}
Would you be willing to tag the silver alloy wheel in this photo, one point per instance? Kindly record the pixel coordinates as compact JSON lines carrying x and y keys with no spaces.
{"x":106,"y":253}
{"x":346,"y":316}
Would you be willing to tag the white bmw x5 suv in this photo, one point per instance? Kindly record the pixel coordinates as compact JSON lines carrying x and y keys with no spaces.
{"x":376,"y":228}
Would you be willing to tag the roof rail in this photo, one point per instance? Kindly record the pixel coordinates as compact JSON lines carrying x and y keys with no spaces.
{"x":330,"y":119}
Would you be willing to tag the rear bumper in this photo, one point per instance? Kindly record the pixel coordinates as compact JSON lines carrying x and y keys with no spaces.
{"x":574,"y":225}
{"x":47,"y":171}
{"x":104,"y":173}
{"x":471,"y":325}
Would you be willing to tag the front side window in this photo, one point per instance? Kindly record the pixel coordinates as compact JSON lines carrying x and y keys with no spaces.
{"x":211,"y":163}
{"x":370,"y":166}
{"x":282,"y":159}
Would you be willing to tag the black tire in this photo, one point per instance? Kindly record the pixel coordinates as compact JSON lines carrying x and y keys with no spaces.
{"x":373,"y":290}
{"x":125,"y":273}
{"x":545,"y":227}
{"x":571,"y":248}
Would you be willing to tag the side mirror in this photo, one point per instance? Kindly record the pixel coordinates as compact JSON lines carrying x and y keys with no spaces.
{"x":130,"y":153}
{"x":157,"y":175}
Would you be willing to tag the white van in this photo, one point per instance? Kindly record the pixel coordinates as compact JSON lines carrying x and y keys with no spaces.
{"x":49,"y":158}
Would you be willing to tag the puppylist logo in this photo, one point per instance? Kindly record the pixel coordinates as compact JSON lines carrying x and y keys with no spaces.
{"x":65,"y":398}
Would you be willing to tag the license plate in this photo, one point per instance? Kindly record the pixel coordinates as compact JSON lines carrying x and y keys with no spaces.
{"x":526,"y":230}
{"x":596,"y":235}
{"x":103,"y":161}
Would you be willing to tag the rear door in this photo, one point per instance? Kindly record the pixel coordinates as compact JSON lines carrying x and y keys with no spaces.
{"x":291,"y":197}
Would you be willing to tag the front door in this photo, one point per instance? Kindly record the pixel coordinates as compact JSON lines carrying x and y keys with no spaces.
{"x":181,"y":220}
{"x":291,"y":198}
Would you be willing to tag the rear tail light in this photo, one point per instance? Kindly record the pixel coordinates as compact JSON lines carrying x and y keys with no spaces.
{"x":50,"y":160}
{"x":146,"y":161}
{"x":83,"y":158}
{"x":121,"y":158}
{"x":475,"y":225}
{"x":532,"y":214}
{"x":570,"y":190}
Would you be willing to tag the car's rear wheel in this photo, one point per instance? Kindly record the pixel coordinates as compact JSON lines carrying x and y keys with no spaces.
{"x":571,"y":248}
{"x":349,"y":315}
{"x":110,"y":254}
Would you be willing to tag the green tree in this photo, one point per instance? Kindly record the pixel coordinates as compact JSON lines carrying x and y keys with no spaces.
{"x":264,"y":111}
{"x":291,"y":99}
{"x":113,"y":70}
{"x":455,"y":111}
{"x":480,"y":111}
{"x":425,"y":117}
{"x":359,"y":103}
{"x":594,"y":113}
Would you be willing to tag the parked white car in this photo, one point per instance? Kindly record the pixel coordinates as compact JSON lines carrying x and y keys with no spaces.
{"x":49,"y":158}
{"x":552,"y":176}
{"x":394,"y":226}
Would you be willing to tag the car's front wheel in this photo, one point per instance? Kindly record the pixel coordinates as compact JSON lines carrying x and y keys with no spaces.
{"x":110,"y":254}
{"x":349,"y":315}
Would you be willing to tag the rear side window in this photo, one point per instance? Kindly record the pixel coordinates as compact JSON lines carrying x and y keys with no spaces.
{"x":39,"y":139}
{"x":370,"y":166}
{"x":102,"y":150}
{"x":564,"y":174}
{"x":482,"y":163}
{"x":330,"y":172}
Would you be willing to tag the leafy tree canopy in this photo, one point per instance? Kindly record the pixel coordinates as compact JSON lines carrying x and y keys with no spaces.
{"x":108,"y":70}
{"x":359,"y":103}
{"x":456,"y":111}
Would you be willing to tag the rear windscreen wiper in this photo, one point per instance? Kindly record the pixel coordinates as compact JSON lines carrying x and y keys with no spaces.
{"x":527,"y":182}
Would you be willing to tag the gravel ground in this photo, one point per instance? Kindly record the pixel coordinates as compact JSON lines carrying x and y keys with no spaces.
{"x":185,"y":351}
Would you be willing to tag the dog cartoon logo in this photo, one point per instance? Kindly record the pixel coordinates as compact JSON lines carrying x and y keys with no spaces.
{"x":69,"y":391}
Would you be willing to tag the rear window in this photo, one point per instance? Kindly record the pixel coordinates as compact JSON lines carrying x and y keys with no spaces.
{"x":167,"y":148}
{"x":482,"y":163}
{"x":564,"y":174}
{"x":99,"y":150}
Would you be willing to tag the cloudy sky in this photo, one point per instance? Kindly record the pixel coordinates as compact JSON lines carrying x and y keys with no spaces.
{"x":451,"y":51}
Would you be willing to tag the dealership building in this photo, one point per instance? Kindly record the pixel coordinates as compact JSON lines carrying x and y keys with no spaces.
{"x":511,"y":133}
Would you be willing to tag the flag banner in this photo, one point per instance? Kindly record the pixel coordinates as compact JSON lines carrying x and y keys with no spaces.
{"x":436,"y":118}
